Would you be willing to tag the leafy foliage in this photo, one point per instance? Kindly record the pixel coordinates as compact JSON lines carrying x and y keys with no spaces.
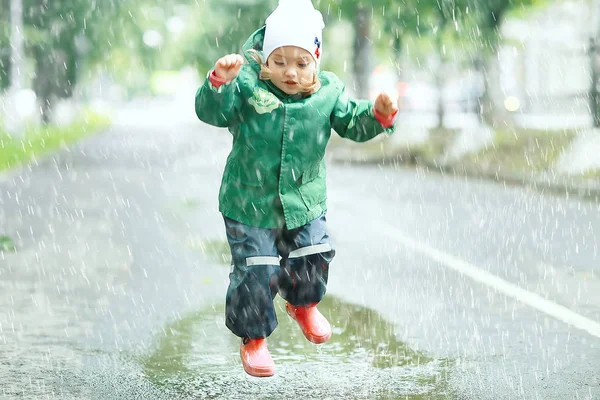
{"x":64,"y":36}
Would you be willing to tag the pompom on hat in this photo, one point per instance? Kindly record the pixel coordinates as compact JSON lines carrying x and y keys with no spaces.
{"x":294,"y":23}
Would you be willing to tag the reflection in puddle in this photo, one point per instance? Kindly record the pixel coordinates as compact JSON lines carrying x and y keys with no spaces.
{"x":198,"y":356}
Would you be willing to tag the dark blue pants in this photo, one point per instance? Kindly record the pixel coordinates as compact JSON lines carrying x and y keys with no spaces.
{"x":266,"y":262}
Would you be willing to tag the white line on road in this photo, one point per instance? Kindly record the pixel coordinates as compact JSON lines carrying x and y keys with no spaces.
{"x":533,"y":300}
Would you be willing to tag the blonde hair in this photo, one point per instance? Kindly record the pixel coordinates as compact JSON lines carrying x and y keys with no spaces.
{"x":306,"y":88}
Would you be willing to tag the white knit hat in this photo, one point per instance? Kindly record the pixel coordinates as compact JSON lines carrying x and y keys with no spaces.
{"x":294,"y":23}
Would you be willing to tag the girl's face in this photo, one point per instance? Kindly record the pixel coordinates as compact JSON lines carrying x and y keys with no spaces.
{"x":290,"y":67}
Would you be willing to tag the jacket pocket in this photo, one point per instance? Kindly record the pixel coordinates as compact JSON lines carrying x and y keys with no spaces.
{"x":313,"y":186}
{"x":311,"y":173}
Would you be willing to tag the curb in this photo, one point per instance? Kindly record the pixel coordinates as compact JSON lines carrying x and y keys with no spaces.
{"x":587,"y":189}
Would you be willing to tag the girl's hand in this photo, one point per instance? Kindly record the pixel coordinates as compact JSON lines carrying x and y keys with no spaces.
{"x":228,"y":67}
{"x":385,"y":105}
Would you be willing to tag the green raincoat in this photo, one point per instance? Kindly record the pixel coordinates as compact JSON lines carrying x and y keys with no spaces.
{"x":275,"y":173}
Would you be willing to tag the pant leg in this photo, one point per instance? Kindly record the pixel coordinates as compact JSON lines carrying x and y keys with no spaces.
{"x":306,"y":253}
{"x":249,"y":310}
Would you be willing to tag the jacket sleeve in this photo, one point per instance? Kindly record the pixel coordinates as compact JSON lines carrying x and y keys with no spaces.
{"x":218,"y":104}
{"x":355,"y":120}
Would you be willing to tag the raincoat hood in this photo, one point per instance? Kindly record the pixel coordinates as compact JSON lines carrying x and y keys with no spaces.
{"x":254,"y":42}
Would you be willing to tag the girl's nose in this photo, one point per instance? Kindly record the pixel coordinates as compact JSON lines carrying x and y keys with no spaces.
{"x":290,"y":72}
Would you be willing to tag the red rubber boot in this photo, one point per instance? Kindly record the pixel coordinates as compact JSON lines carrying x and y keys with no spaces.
{"x":256,"y":358}
{"x":314,"y":325}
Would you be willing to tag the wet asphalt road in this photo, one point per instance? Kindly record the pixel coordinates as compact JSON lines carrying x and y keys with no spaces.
{"x":117,"y":286}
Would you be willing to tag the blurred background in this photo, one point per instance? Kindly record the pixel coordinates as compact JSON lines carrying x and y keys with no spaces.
{"x":465,"y":73}
{"x":467,"y":262}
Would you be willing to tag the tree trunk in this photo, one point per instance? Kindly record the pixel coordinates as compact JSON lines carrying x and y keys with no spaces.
{"x":398,"y":65}
{"x":439,"y":75}
{"x":16,"y":40}
{"x":482,"y":97}
{"x":491,"y":112}
{"x":398,"y":57}
{"x":362,"y":52}
{"x":46,"y":109}
{"x":55,"y":76}
{"x":594,"y":96}
{"x":5,"y":68}
{"x":439,"y":83}
{"x":42,"y":83}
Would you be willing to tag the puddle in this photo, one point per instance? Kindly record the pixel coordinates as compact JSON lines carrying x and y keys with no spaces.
{"x":197,"y":356}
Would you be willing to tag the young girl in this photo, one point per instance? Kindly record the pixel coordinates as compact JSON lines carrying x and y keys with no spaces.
{"x":280,"y":109}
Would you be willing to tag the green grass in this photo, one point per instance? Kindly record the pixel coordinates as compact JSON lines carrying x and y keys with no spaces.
{"x":6,"y":243}
{"x":42,"y":139}
{"x":512,"y":150}
{"x":382,"y":148}
{"x":591,"y":174}
{"x":439,"y":140}
{"x":522,"y":149}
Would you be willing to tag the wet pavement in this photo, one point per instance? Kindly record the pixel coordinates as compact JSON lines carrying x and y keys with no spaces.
{"x":116,"y":288}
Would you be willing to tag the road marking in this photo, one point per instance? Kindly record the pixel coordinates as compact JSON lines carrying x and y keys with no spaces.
{"x":533,"y":300}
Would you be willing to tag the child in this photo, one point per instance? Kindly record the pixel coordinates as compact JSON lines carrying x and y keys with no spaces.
{"x":280,"y":109}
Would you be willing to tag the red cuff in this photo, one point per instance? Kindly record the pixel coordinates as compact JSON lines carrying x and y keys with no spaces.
{"x":387,"y":121}
{"x":215,"y":80}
